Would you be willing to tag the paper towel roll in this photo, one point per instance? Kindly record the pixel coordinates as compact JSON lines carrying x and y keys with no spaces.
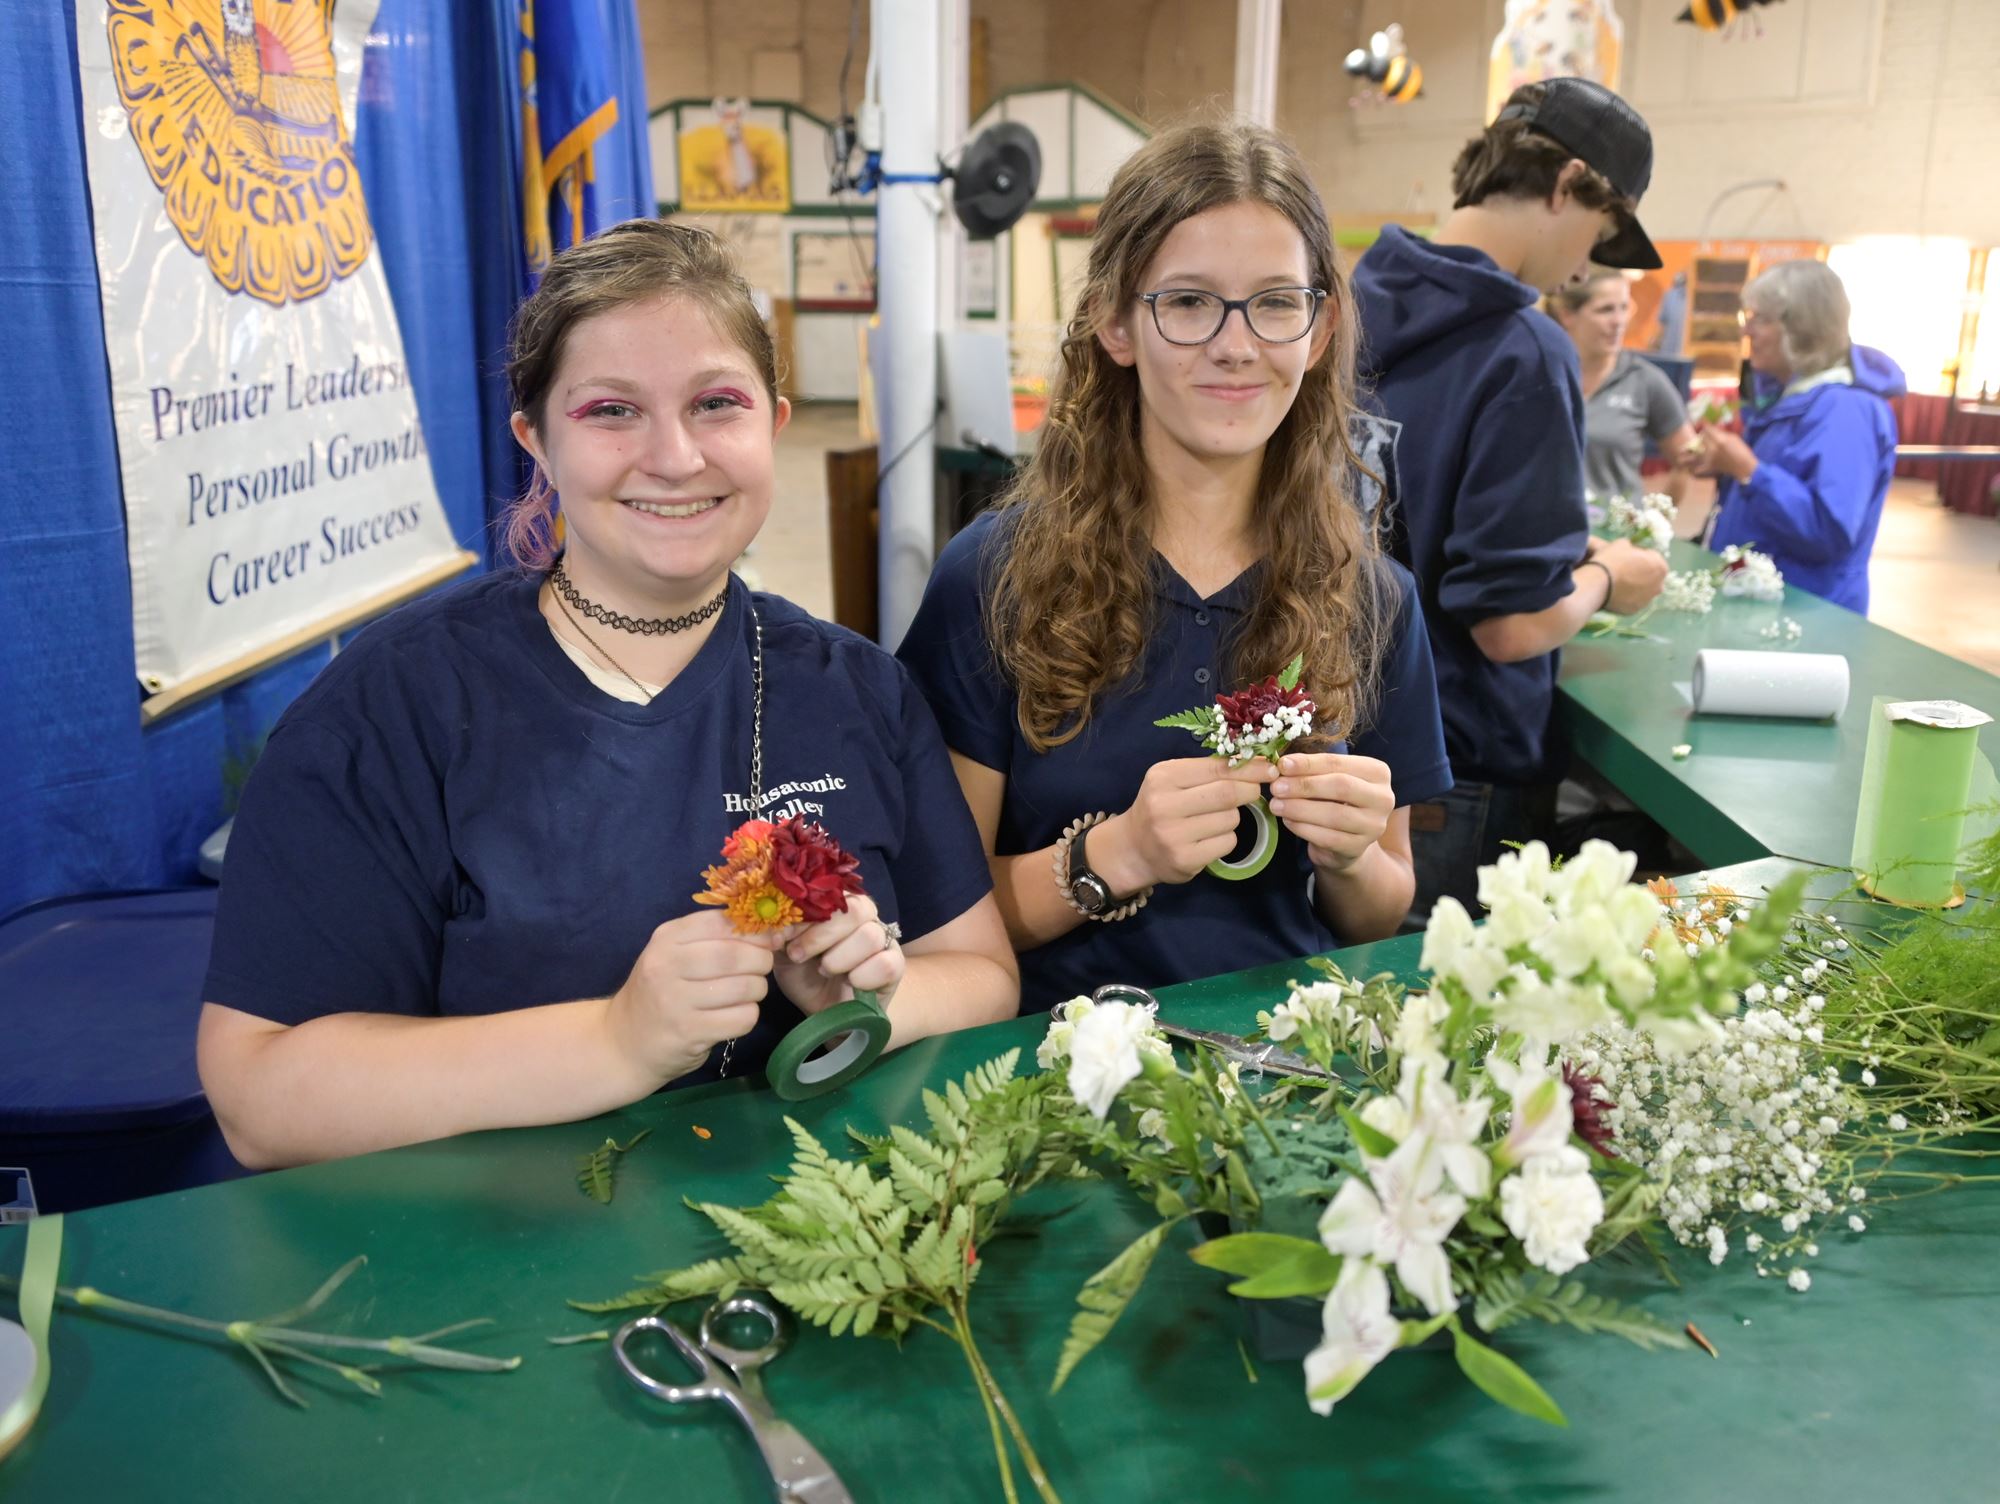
{"x":1797,"y":686}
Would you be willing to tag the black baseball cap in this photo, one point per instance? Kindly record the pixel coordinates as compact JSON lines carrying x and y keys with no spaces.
{"x":1607,"y":134}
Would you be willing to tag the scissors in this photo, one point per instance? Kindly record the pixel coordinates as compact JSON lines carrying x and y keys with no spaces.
{"x":1264,"y":1057}
{"x":731,"y":1375}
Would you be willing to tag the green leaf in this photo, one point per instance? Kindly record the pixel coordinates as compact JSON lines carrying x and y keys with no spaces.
{"x":1506,"y":1296}
{"x":1289,"y":679}
{"x":594,"y":1170}
{"x":1371,"y":1141}
{"x":1201,"y":722}
{"x":1416,"y":1333}
{"x":1483,"y":1222}
{"x":1501,"y":1378}
{"x":1275,"y":1266}
{"x":1104,"y":1296}
{"x":319,"y":1297}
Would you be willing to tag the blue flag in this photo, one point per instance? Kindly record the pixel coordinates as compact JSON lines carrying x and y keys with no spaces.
{"x":584,"y":162}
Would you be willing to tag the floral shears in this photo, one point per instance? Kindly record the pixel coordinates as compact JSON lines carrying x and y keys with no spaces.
{"x":732,"y":1375}
{"x":1258,"y":1057}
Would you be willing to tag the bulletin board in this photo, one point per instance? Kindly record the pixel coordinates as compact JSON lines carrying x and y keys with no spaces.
{"x":832,"y":271}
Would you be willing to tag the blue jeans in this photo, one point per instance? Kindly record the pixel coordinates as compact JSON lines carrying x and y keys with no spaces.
{"x":1453,"y":836}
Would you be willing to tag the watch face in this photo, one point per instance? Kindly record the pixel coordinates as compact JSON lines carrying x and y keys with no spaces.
{"x":1090,"y":894}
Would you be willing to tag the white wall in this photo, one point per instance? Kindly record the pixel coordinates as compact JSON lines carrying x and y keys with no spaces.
{"x":1879,"y":114}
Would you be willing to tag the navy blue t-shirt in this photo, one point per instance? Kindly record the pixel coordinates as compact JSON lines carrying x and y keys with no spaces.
{"x":1485,"y":403}
{"x":453,"y":820}
{"x":1186,"y":930}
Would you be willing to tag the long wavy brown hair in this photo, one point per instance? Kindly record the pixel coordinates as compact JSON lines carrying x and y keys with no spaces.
{"x":1072,"y":606}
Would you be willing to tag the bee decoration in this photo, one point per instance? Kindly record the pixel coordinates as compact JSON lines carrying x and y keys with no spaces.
{"x":1385,"y":63}
{"x":1716,"y":15}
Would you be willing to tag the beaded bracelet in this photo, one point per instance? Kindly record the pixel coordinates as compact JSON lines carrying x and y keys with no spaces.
{"x":1075,"y":828}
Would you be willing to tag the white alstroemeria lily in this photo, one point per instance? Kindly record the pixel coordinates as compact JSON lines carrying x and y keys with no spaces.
{"x":1285,"y":1020}
{"x":1399,"y":1216}
{"x":1063,"y":1019}
{"x":1104,"y":1053}
{"x":1357,"y":1332}
{"x":1453,"y":947}
{"x":1415,"y":1036}
{"x":1553,"y":1206}
{"x":1541,"y":1107}
{"x":1325,"y":1004}
{"x":1425,"y":1103}
{"x":1590,"y":878}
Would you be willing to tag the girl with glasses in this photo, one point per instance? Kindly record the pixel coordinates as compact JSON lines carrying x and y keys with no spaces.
{"x":1187,"y":526}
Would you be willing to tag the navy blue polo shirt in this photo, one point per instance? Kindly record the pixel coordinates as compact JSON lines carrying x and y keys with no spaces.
{"x":1187,"y":930}
{"x":453,"y":820}
{"x":1485,"y":405}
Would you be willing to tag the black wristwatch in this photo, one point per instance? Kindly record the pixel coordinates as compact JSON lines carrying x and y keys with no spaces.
{"x":1088,"y":891}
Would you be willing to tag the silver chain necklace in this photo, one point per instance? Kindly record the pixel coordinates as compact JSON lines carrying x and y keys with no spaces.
{"x":756,"y":756}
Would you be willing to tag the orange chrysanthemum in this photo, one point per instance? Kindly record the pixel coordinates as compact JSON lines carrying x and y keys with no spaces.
{"x":743,"y":886}
{"x":749,"y":836}
{"x":1712,"y":903}
{"x":755,"y":910}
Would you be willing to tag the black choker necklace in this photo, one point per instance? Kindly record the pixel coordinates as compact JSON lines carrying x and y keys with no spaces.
{"x":645,"y":626}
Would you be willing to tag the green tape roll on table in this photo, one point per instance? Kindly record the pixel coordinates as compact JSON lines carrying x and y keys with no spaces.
{"x":1917,"y":781}
{"x":855,"y":1033}
{"x":1259,"y":857}
{"x":24,"y":1355}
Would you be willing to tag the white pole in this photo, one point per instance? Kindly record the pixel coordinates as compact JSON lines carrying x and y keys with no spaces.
{"x":1257,"y":60}
{"x":954,"y":121}
{"x":905,"y":350}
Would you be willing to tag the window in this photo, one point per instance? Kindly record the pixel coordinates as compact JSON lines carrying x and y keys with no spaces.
{"x":1910,"y":302}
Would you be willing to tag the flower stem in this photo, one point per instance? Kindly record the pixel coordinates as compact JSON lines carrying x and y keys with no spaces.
{"x":964,"y":1339}
{"x":991,"y":1386}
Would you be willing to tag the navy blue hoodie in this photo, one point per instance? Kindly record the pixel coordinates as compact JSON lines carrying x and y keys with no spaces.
{"x":1487,"y":502}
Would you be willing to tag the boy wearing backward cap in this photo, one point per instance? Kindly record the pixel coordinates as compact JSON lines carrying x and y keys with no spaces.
{"x":1479,"y":418}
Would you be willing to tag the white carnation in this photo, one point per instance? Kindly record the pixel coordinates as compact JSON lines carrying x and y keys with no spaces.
{"x":1553,"y":1205}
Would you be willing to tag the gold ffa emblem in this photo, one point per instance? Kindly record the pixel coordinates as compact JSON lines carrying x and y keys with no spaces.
{"x":235,"y":110}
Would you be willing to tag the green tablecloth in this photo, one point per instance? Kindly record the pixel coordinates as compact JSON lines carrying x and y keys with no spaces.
{"x":1753,"y":785}
{"x":1882,"y":1380}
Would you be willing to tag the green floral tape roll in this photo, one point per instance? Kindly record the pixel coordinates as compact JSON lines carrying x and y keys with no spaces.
{"x":1259,"y":857}
{"x":24,"y":1349}
{"x":1921,"y":773}
{"x":829,"y":1049}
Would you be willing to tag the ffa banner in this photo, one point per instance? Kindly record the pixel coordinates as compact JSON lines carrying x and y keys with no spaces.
{"x":277,"y":487}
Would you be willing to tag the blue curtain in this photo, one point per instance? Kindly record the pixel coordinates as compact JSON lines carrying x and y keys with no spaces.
{"x":88,"y":800}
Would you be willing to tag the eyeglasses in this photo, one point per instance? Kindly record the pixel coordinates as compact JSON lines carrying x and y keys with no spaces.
{"x":1745,"y":317}
{"x":1277,"y":315}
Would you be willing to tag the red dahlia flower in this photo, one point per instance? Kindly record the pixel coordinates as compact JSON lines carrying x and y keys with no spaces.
{"x":1248,"y":707}
{"x":809,"y":867}
{"x":1589,"y":1112}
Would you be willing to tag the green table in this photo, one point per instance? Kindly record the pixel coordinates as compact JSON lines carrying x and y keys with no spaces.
{"x":1753,"y":785}
{"x":1883,"y":1378}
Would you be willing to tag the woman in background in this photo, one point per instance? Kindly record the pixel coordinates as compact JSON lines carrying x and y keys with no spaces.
{"x":1806,"y":481}
{"x":1627,"y":399}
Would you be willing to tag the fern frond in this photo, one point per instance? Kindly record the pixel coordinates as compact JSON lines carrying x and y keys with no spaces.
{"x":1506,"y":1296}
{"x":1200,"y":721}
{"x":1104,"y":1296}
{"x":594,"y":1170}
